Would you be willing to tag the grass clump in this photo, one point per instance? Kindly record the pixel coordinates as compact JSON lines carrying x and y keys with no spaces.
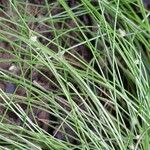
{"x":78,"y":74}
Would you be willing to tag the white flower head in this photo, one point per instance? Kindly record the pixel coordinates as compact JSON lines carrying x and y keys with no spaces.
{"x":137,"y":137}
{"x":13,"y":68}
{"x":122,"y":32}
{"x":37,"y":48}
{"x":33,"y":38}
{"x":131,"y":147}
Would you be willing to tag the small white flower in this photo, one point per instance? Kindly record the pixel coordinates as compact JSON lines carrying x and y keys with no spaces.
{"x":36,"y":83}
{"x":38,"y":49}
{"x":137,"y":137}
{"x":33,"y":38}
{"x":122,"y":32}
{"x":131,"y":147}
{"x":13,"y":68}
